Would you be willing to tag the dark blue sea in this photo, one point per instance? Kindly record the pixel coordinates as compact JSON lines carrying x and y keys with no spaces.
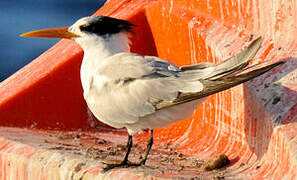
{"x":19,"y":16}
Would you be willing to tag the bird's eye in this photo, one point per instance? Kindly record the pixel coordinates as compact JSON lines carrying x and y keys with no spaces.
{"x":83,"y":28}
{"x":88,"y":28}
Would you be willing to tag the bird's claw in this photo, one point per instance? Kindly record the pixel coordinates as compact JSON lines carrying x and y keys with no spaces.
{"x":120,"y":165}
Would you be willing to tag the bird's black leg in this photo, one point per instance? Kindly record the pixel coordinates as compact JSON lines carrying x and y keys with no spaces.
{"x":128,"y":150}
{"x":125,"y":162}
{"x":149,"y":146}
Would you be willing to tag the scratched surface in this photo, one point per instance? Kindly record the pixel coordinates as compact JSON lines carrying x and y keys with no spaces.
{"x":79,"y":154}
{"x":253,"y":124}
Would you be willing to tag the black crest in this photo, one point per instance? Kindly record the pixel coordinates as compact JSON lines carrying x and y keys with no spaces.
{"x":104,"y":25}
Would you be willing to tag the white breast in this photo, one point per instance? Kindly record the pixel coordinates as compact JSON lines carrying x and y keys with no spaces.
{"x":164,"y":117}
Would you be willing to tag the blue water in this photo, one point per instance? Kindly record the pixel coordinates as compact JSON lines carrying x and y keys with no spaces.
{"x":19,"y":16}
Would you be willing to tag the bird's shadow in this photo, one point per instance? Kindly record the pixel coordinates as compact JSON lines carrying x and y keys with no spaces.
{"x":274,"y":96}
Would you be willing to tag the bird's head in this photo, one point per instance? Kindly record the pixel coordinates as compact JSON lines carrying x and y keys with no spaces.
{"x":87,"y":30}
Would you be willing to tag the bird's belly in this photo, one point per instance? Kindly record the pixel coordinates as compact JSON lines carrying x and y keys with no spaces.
{"x":98,"y":106}
{"x":99,"y":114}
{"x":165,"y":117}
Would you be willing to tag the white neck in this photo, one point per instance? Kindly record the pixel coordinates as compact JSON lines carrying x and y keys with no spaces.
{"x":96,"y":50}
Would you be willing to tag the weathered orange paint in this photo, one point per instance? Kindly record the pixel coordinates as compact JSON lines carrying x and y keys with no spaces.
{"x":253,"y":124}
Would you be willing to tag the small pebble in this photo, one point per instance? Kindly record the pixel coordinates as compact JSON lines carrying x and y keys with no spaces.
{"x":219,"y":161}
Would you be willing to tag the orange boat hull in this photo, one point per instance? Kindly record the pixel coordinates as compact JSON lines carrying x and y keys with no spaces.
{"x":253,"y":124}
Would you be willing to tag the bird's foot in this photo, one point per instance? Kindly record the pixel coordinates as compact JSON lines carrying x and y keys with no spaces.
{"x":108,"y":167}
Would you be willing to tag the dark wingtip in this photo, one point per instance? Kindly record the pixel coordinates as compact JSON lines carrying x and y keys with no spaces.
{"x":258,"y":40}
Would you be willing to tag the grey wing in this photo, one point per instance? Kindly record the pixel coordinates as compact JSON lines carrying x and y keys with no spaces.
{"x":134,"y":85}
{"x":219,"y":77}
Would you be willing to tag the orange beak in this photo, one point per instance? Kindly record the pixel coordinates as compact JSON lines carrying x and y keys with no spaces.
{"x":51,"y":33}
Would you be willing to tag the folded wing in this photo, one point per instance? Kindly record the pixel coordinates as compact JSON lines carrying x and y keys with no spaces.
{"x":135,"y":86}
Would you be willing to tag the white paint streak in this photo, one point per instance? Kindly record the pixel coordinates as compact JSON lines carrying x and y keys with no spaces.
{"x":209,"y":7}
{"x":191,"y":31}
{"x":170,"y":9}
{"x":239,"y":6}
{"x":184,"y":139}
{"x":221,"y":10}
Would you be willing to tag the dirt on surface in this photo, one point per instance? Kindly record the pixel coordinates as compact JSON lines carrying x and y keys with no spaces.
{"x":110,"y":147}
{"x":162,"y":160}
